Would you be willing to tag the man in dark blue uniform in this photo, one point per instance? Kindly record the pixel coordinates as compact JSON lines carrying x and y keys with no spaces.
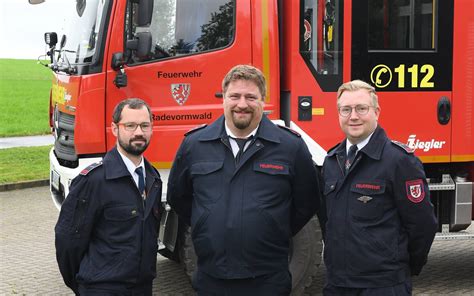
{"x":246,"y":187}
{"x":381,"y":222}
{"x":106,"y":235}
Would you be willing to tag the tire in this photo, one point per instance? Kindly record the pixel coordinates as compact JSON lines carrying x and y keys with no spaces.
{"x":305,"y":255}
{"x":187,"y":256}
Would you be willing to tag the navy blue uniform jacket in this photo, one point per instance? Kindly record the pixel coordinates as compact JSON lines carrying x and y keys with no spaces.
{"x":381,"y":222}
{"x":104,"y":236}
{"x":242,"y":217}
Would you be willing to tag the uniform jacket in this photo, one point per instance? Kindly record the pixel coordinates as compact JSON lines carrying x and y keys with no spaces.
{"x":242,"y":217}
{"x":104,"y":235}
{"x":381,"y":222}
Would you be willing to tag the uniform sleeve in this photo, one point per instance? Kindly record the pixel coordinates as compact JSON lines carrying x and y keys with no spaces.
{"x":180,"y":189}
{"x":306,"y":195}
{"x":416,"y":211}
{"x":73,"y":231}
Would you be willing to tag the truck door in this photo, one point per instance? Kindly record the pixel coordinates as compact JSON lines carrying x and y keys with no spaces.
{"x":405,"y":49}
{"x":193,"y":45}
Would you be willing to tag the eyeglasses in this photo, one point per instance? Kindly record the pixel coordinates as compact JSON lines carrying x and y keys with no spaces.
{"x":132,"y":126}
{"x":362,"y":109}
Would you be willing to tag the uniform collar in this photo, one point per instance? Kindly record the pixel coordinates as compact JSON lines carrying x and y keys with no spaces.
{"x":129,"y":164}
{"x":373,"y":148}
{"x":359,"y":145}
{"x":266,"y":130}
{"x":116,"y":168}
{"x":376,"y":144}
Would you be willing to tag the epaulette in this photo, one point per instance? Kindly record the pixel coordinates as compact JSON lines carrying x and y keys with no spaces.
{"x":334,"y":147}
{"x":403,"y":146}
{"x":289,"y":129}
{"x":88,"y":169}
{"x":195,"y":129}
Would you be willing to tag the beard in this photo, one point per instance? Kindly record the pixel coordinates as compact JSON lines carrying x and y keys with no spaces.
{"x":242,"y":123}
{"x":134,"y":149}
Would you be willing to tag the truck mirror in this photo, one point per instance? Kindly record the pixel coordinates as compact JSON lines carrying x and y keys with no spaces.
{"x":63,"y":41}
{"x":117,"y":61}
{"x":141,"y":45}
{"x":145,"y":12}
{"x":80,"y":7}
{"x":51,"y":38}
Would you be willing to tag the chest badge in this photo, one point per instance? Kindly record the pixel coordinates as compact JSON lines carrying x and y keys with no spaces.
{"x":364,"y":198}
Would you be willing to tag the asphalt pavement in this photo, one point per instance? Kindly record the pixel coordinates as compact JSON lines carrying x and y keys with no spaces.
{"x":28,"y":264}
{"x":28,"y":141}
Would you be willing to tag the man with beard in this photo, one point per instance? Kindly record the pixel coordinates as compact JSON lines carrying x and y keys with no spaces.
{"x":245,"y":186}
{"x":106,"y":234}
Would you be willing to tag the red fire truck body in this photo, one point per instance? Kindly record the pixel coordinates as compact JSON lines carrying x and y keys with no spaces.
{"x":419,"y":54}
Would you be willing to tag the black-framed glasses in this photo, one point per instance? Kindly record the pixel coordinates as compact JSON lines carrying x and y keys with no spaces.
{"x":132,"y":126}
{"x":361,"y":109}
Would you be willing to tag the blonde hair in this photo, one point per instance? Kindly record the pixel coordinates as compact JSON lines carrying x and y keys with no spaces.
{"x":355,"y":85}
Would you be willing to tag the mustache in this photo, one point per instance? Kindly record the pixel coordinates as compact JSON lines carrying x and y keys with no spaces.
{"x":248,"y":110}
{"x":138,"y":138}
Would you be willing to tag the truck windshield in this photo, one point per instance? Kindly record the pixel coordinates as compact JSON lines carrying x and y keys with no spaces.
{"x":83,"y":23}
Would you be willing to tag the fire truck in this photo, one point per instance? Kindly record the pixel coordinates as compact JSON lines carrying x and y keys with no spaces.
{"x":419,"y":54}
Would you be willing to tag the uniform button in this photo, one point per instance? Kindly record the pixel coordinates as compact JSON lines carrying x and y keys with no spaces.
{"x":332,"y":186}
{"x":258,"y":144}
{"x":134,"y":212}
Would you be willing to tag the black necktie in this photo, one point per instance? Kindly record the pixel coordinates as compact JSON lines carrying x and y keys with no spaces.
{"x":141,"y":181}
{"x":241,"y":143}
{"x":350,"y":156}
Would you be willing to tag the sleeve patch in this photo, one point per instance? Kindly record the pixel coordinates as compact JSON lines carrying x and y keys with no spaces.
{"x":88,"y":169}
{"x":403,"y":146}
{"x":289,"y":129}
{"x":195,"y":129}
{"x":415,"y":190}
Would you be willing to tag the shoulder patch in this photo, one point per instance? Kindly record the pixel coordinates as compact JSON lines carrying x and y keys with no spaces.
{"x":195,"y":129}
{"x":289,"y":130}
{"x":415,"y":190}
{"x":88,"y":169}
{"x":403,"y":146}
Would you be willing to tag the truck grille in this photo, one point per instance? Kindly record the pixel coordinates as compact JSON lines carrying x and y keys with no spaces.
{"x":64,"y":142}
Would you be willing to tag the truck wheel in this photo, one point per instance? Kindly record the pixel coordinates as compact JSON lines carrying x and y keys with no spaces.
{"x":187,"y":256}
{"x":305,"y":255}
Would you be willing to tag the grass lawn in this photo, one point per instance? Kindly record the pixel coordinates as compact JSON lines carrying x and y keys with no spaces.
{"x":24,"y":98}
{"x":24,"y":164}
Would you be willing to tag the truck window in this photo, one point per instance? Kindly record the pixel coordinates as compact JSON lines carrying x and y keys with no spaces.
{"x":403,"y":45}
{"x":184,"y":27}
{"x":321,"y":40}
{"x":84,"y":29}
{"x":404,"y":24}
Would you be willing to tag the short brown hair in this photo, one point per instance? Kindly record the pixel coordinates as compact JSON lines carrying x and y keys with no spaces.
{"x":132,"y":103}
{"x":245,"y":72}
{"x":355,"y":85}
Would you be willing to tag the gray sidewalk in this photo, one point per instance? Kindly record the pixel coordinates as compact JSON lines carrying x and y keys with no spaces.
{"x":11,"y":142}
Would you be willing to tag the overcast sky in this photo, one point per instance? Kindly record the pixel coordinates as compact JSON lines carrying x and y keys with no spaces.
{"x":22,"y":26}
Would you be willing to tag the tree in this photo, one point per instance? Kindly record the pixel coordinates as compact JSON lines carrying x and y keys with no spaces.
{"x":219,"y":31}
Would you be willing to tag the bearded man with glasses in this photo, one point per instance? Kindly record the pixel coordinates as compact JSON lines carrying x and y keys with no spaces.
{"x":381,"y":222}
{"x":106,"y":234}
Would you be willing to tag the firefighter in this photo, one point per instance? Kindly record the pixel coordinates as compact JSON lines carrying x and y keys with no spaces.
{"x":381,"y":222}
{"x":246,"y":187}
{"x":106,"y":235}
